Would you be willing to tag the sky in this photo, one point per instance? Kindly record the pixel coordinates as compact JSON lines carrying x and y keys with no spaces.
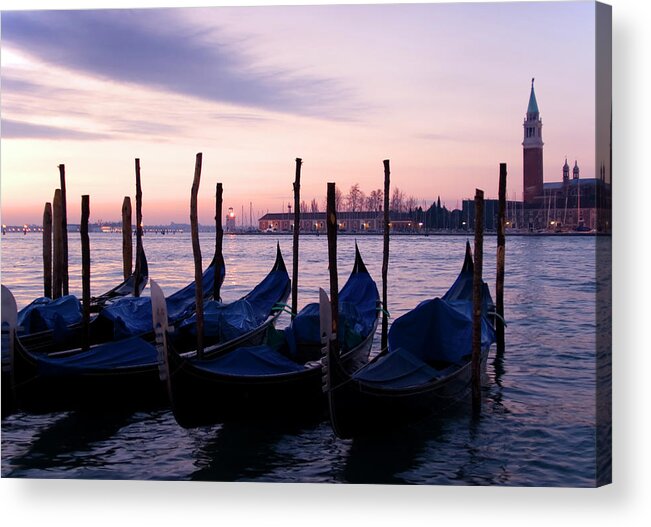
{"x":439,"y":89}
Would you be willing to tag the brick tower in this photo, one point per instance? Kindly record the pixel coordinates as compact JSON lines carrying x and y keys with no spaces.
{"x":532,"y":153}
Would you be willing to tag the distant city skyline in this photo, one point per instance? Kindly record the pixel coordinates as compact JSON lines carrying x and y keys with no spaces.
{"x":439,"y":89}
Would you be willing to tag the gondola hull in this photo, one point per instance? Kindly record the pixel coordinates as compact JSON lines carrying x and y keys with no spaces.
{"x":130,"y":387}
{"x":358,"y":409}
{"x":200,"y":397}
{"x":104,"y":389}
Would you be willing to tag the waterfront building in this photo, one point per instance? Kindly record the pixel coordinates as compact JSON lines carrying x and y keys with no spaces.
{"x":358,"y":221}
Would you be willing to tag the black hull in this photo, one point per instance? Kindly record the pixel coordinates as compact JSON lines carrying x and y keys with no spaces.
{"x":135,"y":388}
{"x":203,"y":398}
{"x":125,"y":388}
{"x":359,"y":409}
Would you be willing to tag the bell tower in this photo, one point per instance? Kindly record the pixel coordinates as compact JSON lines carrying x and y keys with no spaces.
{"x":532,"y":153}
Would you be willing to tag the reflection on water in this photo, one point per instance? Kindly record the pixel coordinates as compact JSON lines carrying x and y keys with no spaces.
{"x":538,"y":420}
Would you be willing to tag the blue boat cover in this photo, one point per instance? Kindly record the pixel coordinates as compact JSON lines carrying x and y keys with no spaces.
{"x":229,"y":321}
{"x":357,"y":314}
{"x":425,"y":343}
{"x":250,"y":361}
{"x":131,"y":316}
{"x":134,"y":351}
{"x":461,"y":291}
{"x":433,"y":331}
{"x":125,"y":353}
{"x":46,"y":314}
{"x":399,"y":369}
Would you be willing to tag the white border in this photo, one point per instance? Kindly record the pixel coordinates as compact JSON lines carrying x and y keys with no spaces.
{"x":70,"y":503}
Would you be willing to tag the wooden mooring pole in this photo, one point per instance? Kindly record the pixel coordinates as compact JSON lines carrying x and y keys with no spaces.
{"x":138,"y":270}
{"x":385,"y":256}
{"x":297,"y":228}
{"x":219,"y":241}
{"x":64,"y":232}
{"x":501,"y":251}
{"x":127,"y":238}
{"x":85,"y":269}
{"x":47,"y":250}
{"x":57,"y":245}
{"x":196,"y":252}
{"x":477,"y":301}
{"x":331,"y":225}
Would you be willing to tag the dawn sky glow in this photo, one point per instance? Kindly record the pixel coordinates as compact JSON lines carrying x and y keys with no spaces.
{"x":439,"y":89}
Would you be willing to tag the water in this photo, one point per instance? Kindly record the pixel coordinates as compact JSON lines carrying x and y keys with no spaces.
{"x":539,"y":411}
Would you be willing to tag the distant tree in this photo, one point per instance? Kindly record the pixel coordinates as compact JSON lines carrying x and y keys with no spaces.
{"x":374,"y":200}
{"x":355,"y":198}
{"x":314,"y":205}
{"x":362,"y":200}
{"x":339,"y":199}
{"x":410,"y":203}
{"x":397,"y":203}
{"x":303,"y":208}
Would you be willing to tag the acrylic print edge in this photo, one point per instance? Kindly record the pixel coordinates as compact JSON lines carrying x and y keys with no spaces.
{"x":603,"y":252}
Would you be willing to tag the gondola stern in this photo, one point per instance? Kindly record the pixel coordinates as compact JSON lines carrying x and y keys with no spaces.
{"x":359,"y":266}
{"x":144,"y":271}
{"x":468,"y":264}
{"x":219,"y":266}
{"x":279,"y":264}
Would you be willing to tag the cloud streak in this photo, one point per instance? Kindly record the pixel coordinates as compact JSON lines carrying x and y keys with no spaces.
{"x":23,"y":130}
{"x":154,"y":48}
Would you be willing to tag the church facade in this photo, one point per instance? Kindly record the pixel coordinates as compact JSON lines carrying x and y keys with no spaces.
{"x":572,"y":203}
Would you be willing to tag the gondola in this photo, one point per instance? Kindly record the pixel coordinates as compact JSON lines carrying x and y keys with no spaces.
{"x":279,"y":379}
{"x":125,"y":373}
{"x":48,"y":325}
{"x":425,"y":368}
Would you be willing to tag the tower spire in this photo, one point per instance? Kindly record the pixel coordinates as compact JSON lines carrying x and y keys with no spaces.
{"x":532,"y":109}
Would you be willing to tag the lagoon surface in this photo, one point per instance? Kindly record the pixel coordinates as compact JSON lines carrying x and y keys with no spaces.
{"x":537,"y":426}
